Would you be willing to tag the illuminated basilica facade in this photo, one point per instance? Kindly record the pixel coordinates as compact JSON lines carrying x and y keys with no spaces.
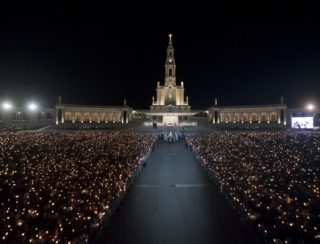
{"x":170,"y":107}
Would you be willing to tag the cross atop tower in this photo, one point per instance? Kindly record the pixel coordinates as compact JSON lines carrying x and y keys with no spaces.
{"x":170,"y":38}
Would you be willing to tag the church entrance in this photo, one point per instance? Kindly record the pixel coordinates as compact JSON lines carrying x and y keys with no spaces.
{"x":170,"y":120}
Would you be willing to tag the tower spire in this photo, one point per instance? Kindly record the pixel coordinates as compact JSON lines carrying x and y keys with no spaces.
{"x":170,"y":66}
{"x":170,"y":52}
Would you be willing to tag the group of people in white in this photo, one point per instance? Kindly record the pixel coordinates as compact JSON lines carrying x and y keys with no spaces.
{"x":170,"y":136}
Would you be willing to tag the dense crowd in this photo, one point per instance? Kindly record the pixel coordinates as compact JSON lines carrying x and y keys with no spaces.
{"x":90,"y":126}
{"x":60,"y":187}
{"x":249,"y":126}
{"x":271,"y":178}
{"x":4,"y":128}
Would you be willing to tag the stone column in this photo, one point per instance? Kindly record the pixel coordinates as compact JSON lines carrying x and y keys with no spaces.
{"x":62,"y":116}
{"x":213,"y":116}
{"x":285,"y":117}
{"x":57,"y":116}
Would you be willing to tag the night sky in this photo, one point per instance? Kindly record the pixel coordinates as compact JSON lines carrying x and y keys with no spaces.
{"x":100,"y":54}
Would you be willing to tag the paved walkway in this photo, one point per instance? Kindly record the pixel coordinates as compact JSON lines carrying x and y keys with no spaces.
{"x":174,"y":201}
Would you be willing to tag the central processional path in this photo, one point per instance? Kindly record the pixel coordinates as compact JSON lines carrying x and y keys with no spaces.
{"x":174,"y":201}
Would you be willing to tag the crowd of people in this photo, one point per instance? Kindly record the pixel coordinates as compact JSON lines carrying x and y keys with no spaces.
{"x":90,"y":126}
{"x":249,"y":126}
{"x":60,"y":187}
{"x":271,"y":178}
{"x":10,"y":128}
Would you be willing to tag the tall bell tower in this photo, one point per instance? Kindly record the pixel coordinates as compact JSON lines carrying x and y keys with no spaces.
{"x":170,"y":66}
{"x":170,"y":107}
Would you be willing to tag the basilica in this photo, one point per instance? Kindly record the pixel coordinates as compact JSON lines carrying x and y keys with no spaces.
{"x":170,"y":107}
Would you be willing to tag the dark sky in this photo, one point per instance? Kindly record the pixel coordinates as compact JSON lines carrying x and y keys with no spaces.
{"x":101,"y":53}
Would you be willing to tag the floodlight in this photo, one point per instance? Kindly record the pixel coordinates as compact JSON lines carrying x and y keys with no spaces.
{"x":32,"y":106}
{"x":310,"y":106}
{"x":7,"y":105}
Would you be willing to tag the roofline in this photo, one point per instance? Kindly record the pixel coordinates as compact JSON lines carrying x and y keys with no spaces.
{"x":90,"y":106}
{"x":250,"y":106}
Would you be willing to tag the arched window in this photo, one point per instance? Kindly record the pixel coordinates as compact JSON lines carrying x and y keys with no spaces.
{"x":264,"y":117}
{"x":245,"y":117}
{"x":170,"y":72}
{"x":254,"y":117}
{"x":40,"y":116}
{"x":68,"y":117}
{"x":273,"y":117}
{"x":78,"y":117}
{"x":49,"y":116}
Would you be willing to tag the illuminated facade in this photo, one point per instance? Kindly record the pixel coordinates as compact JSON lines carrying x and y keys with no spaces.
{"x":275,"y":114}
{"x":87,"y":113}
{"x":170,"y":107}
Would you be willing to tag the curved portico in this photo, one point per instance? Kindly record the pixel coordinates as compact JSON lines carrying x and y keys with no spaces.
{"x":275,"y":113}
